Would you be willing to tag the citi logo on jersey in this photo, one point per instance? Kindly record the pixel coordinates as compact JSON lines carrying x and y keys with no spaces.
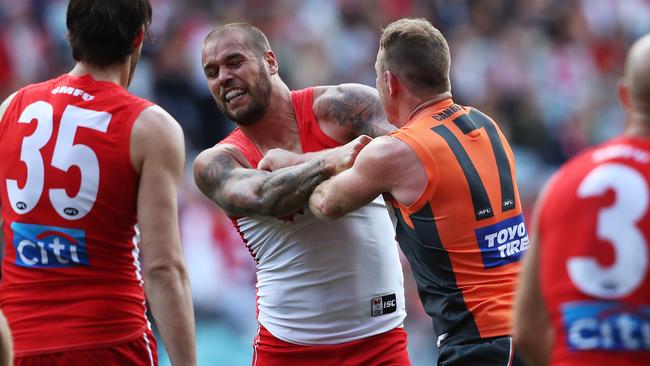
{"x":39,"y":246}
{"x":611,"y":326}
{"x":502,"y":243}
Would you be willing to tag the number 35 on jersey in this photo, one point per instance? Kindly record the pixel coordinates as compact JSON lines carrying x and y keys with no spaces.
{"x":66,"y":154}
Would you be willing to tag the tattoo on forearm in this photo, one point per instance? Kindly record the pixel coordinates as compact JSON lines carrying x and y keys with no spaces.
{"x":249,"y":191}
{"x":287,"y":190}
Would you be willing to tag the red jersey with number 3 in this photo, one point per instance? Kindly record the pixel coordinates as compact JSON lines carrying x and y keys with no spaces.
{"x":70,"y":273}
{"x":594,"y":228}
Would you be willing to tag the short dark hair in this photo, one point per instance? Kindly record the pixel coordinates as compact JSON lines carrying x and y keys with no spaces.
{"x":417,"y":51}
{"x":101,"y":32}
{"x":258,"y":41}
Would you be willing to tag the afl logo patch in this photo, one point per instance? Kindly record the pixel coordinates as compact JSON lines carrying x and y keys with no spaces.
{"x":71,"y":211}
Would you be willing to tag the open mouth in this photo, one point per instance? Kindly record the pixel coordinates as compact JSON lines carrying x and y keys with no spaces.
{"x":234,"y":94}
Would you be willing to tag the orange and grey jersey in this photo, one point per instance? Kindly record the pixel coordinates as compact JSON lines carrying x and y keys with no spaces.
{"x":465,"y":234}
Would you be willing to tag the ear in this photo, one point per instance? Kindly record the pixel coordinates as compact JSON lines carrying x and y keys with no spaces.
{"x":139,"y":38}
{"x":624,"y":94}
{"x":393,"y":83}
{"x":270,"y":59}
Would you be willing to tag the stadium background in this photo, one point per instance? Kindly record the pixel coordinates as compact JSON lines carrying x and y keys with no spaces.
{"x":546,"y":70}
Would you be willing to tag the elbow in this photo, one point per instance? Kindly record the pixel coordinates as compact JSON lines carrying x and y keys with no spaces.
{"x":198,"y":170}
{"x":167,"y":275}
{"x":323,"y":209}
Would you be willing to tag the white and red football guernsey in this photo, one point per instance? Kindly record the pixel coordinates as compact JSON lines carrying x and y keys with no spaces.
{"x":70,"y":273}
{"x":322,"y":281}
{"x":595,"y":256}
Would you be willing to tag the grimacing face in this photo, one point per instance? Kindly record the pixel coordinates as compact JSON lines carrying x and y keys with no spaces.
{"x":239,"y":81}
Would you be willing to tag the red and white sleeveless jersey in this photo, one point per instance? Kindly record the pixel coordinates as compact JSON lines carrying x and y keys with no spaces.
{"x":70,"y":273}
{"x":594,"y":228}
{"x":322,"y":281}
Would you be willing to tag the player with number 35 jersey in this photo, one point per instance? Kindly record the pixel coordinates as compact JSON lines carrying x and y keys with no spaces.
{"x":76,"y":175}
{"x":68,"y":205}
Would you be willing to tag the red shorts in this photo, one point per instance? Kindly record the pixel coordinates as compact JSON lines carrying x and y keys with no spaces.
{"x":383,"y":349}
{"x":138,"y":352}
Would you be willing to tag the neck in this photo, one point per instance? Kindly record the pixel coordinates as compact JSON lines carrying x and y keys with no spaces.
{"x":427,"y":103}
{"x":119,"y":74}
{"x":638,"y":125}
{"x":415,"y":104}
{"x":278,"y":127}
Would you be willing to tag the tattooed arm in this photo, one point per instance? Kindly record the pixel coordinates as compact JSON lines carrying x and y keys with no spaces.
{"x":223,"y":175}
{"x":349,"y":110}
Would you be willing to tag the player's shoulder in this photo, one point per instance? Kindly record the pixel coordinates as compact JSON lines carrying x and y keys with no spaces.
{"x":156,"y":116}
{"x":323,"y":93}
{"x":571,"y":172}
{"x":348,"y":93}
{"x":155,"y":126}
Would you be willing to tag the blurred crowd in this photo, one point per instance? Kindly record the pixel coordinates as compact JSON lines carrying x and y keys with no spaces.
{"x":546,"y":70}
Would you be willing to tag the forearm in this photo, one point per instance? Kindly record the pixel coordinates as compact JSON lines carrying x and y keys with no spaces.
{"x":279,"y":193}
{"x":321,"y":204}
{"x":338,"y":196}
{"x":169,"y":296}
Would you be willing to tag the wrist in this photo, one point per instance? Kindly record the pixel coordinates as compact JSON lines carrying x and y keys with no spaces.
{"x":327,"y":167}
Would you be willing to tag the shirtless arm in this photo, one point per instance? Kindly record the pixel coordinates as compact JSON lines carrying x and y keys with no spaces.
{"x":385,"y":165}
{"x":158,"y":154}
{"x":223,"y":175}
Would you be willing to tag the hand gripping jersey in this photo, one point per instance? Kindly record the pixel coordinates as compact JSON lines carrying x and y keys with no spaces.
{"x":594,"y":226}
{"x":322,"y":281}
{"x":70,"y":276}
{"x":465,"y":234}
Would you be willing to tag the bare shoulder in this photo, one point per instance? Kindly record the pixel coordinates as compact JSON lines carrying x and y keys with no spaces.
{"x":329,"y":93}
{"x":156,"y":132}
{"x":5,"y":105}
{"x":341,"y":101}
{"x":156,"y":121}
{"x":392,"y":161}
{"x":353,"y":108}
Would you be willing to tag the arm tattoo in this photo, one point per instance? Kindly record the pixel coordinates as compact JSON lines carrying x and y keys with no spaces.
{"x":242,"y":191}
{"x":358,"y":109}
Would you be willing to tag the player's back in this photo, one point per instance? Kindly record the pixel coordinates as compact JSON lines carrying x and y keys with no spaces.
{"x":70,"y":275}
{"x":594,"y":228}
{"x":465,"y":234}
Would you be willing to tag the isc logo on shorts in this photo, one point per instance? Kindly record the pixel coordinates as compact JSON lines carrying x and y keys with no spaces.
{"x":383,"y":305}
{"x":48,"y":246}
{"x":503,"y":242}
{"x":611,"y":326}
